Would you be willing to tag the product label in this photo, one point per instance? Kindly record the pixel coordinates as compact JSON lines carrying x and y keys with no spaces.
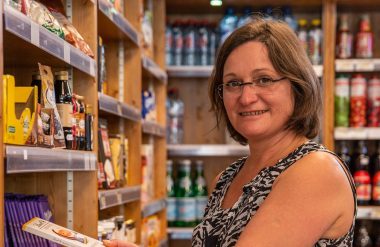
{"x":171,"y":209}
{"x":376,"y":187}
{"x":186,"y":209}
{"x":65,"y":112}
{"x":185,"y":183}
{"x":342,"y":87}
{"x":363,"y":185}
{"x":201,"y":205}
{"x":345,"y":45}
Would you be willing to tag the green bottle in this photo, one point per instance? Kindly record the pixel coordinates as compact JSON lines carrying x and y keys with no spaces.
{"x":171,"y":210}
{"x":201,"y":194}
{"x":186,"y":201}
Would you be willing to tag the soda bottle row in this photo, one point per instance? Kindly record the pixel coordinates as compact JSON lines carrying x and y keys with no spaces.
{"x":357,"y":101}
{"x":365,"y":169}
{"x":191,"y":42}
{"x":186,"y":195}
{"x":360,"y":46}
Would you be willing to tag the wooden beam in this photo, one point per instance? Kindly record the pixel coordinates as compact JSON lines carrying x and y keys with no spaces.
{"x":329,"y":17}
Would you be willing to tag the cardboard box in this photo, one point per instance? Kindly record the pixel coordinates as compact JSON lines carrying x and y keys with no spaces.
{"x":19,"y":110}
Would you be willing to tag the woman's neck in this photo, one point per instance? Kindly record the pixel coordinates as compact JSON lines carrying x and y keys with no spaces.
{"x":267,"y":152}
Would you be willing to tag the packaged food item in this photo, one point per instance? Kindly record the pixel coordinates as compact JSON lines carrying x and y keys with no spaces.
{"x":48,"y":101}
{"x":364,"y":38}
{"x":105,"y":156}
{"x":40,"y":14}
{"x":117,"y":158}
{"x":59,"y":234}
{"x":71,"y":34}
{"x":19,"y":110}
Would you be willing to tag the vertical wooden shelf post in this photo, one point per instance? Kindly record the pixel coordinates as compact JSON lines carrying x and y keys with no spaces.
{"x":329,"y":32}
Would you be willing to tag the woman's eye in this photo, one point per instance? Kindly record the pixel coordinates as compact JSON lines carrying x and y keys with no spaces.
{"x":264,"y":81}
{"x":233,"y":84}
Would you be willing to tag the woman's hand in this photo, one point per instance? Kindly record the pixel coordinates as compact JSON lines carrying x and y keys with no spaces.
{"x":118,"y":243}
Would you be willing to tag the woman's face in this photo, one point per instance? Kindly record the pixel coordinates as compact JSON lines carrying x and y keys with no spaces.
{"x":258,"y":111}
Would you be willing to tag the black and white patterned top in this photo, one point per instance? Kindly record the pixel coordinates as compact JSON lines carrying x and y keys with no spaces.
{"x":222,"y":227}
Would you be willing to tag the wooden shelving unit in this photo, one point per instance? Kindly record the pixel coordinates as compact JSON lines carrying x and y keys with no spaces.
{"x":62,"y":174}
{"x":34,"y":170}
{"x":202,"y":141}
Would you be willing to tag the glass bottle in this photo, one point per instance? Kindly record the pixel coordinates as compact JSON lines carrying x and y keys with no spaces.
{"x":361,"y":175}
{"x":171,"y":193}
{"x":63,"y":99}
{"x":200,"y":190}
{"x":344,"y":153}
{"x":362,"y":238}
{"x":89,"y":131}
{"x":186,"y":201}
{"x":364,"y":38}
{"x":376,"y":177}
{"x":344,"y":39}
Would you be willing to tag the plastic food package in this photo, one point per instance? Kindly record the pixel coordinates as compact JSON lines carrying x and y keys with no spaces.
{"x":40,"y":14}
{"x":71,"y":34}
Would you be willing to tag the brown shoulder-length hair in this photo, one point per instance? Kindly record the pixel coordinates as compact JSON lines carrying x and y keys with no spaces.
{"x":289,"y":59}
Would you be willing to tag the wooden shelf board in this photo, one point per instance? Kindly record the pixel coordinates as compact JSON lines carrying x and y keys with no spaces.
{"x":153,"y":69}
{"x":343,"y":133}
{"x":24,"y":159}
{"x":152,"y":128}
{"x":33,"y":43}
{"x":113,"y":26}
{"x":120,"y":196}
{"x":153,"y":207}
{"x":110,"y":105}
{"x":207,"y":150}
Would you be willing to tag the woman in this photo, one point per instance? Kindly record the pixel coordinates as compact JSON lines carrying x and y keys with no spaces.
{"x":289,"y":191}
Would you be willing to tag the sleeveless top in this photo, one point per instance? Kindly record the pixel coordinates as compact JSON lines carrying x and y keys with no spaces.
{"x":222,"y":227}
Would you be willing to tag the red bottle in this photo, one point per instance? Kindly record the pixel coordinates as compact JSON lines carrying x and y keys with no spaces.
{"x":344,"y":39}
{"x":364,"y":38}
{"x":358,"y":101}
{"x":362,"y":176}
{"x":376,"y":177}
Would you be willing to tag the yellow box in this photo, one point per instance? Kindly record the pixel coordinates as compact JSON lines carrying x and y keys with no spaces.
{"x":19,"y":107}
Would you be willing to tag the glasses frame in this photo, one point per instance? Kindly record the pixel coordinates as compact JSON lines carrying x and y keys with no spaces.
{"x":219,"y":88}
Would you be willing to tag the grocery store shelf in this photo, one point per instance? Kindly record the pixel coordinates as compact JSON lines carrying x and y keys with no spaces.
{"x":207,"y":150}
{"x":189,"y":71}
{"x":153,"y":128}
{"x":180,"y":232}
{"x":113,"y":25}
{"x":112,"y":106}
{"x":115,"y":197}
{"x":357,"y":65}
{"x":368,"y":212}
{"x":153,"y":207}
{"x":23,"y":159}
{"x":205,"y":71}
{"x":343,"y":133}
{"x":150,"y":66}
{"x":23,"y":27}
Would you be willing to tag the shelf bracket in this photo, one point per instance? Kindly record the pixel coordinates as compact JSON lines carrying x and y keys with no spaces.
{"x":70,"y":200}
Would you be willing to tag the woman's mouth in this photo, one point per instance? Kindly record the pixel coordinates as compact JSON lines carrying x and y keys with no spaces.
{"x":252,"y":113}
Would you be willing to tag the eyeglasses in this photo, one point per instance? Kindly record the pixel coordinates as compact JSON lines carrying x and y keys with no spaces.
{"x":235,"y":88}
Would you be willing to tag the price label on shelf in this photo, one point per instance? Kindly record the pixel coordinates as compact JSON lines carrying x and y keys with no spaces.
{"x":364,"y":65}
{"x":342,"y":65}
{"x":25,"y":154}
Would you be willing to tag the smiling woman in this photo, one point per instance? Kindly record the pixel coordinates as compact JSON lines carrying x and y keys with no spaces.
{"x":265,"y":90}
